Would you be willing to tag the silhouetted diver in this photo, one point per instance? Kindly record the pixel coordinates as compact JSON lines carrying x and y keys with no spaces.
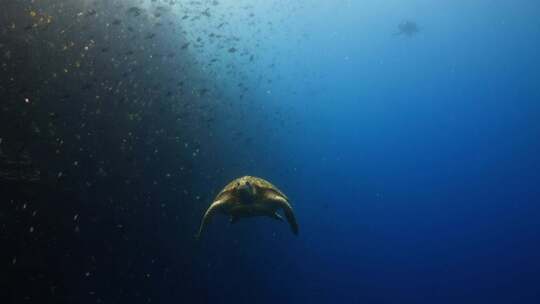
{"x":407,"y":28}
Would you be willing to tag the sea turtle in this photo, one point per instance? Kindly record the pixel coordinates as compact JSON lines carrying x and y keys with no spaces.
{"x":250,"y":196}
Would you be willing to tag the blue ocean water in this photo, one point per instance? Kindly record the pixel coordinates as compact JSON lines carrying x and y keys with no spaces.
{"x":413,"y":163}
{"x":405,"y":133}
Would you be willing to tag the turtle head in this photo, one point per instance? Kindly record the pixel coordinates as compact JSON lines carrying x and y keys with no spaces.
{"x":247,"y":191}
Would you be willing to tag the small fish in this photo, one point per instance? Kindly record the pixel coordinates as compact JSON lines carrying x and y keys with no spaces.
{"x":135,"y":11}
{"x":91,"y":12}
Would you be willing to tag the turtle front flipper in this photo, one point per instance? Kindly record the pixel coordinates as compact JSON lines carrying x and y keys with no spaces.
{"x":209,"y":214}
{"x":287,"y":210}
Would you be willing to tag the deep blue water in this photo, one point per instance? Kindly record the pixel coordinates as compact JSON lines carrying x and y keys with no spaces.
{"x":414,"y":167}
{"x":412,"y":161}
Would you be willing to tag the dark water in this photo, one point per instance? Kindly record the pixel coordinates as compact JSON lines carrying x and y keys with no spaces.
{"x":407,"y":136}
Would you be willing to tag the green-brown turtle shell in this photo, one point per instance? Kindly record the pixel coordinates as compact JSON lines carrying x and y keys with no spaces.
{"x":258,"y":182}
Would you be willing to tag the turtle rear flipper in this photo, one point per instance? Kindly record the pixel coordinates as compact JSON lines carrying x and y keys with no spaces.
{"x":277,"y":216}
